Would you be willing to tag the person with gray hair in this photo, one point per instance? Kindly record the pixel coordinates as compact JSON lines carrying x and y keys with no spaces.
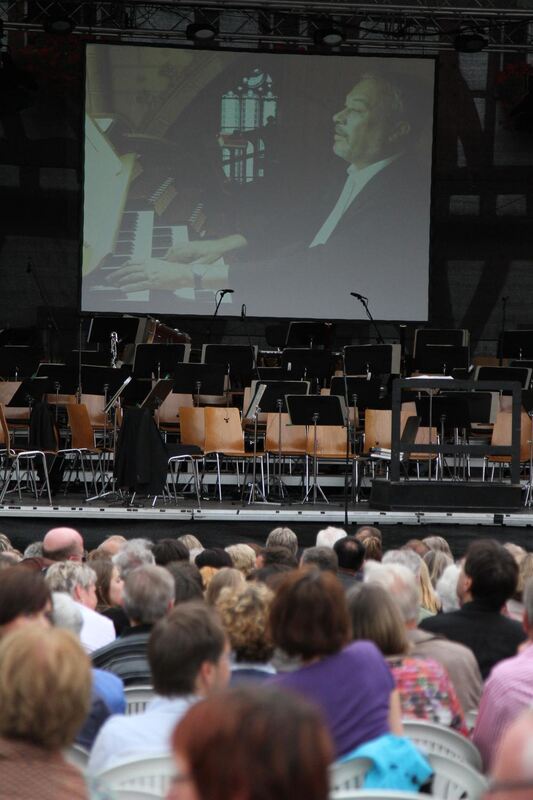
{"x":148,"y":595}
{"x":507,"y":692}
{"x":458,"y":660}
{"x":328,"y":536}
{"x":79,"y":581}
{"x":447,"y":588}
{"x":134,"y":553}
{"x":324,"y":558}
{"x":283,"y":537}
{"x":33,"y":550}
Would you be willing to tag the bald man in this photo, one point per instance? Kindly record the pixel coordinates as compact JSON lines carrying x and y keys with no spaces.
{"x":512,"y":772}
{"x":63,"y":544}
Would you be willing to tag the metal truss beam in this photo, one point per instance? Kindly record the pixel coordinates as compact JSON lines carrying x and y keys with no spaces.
{"x":291,"y":24}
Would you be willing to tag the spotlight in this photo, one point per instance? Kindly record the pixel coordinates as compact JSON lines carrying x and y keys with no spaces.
{"x":201,"y":32}
{"x":470,"y":42}
{"x":58,"y":21}
{"x":328,"y":36}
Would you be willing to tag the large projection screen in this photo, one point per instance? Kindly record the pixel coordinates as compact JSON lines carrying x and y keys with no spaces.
{"x":291,"y":179}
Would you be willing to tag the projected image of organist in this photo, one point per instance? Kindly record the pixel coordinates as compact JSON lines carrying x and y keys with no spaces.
{"x":365,"y":229}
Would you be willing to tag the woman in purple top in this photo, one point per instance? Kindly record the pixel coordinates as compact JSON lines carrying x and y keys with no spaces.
{"x":350,"y":682}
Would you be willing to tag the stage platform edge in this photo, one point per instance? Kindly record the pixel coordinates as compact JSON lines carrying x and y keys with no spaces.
{"x":445,"y":496}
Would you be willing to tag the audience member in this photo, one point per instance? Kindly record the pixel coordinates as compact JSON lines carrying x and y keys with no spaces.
{"x":189,"y":659}
{"x":215,"y":557}
{"x":227,"y":577}
{"x":458,"y":660}
{"x":244,"y":614}
{"x":368,"y":532}
{"x":351,"y":555}
{"x":79,"y":581}
{"x":429,"y":602}
{"x":309,"y":619}
{"x":328,"y":536}
{"x":324,"y":558}
{"x":207,"y":574}
{"x":33,"y":550}
{"x":193,"y":545}
{"x":512,"y":773}
{"x":487,"y":580}
{"x":246,"y":744}
{"x":5,"y":543}
{"x":373,"y":548}
{"x":148,"y":596}
{"x":63,"y":544}
{"x":438,"y":544}
{"x":111,"y":545}
{"x":436,"y":561}
{"x":425,"y":689}
{"x":515,"y":606}
{"x":271,"y":575}
{"x":109,"y":593}
{"x":283,"y":537}
{"x":166,"y":551}
{"x":45,"y":690}
{"x":24,"y":597}
{"x":188,"y":584}
{"x":507,"y":692}
{"x":447,"y":588}
{"x":243,"y":557}
{"x":417,"y":546}
{"x":276,"y":555}
{"x":134,"y":553}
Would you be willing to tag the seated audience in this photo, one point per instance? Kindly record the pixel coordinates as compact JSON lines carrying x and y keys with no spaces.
{"x":458,"y":660}
{"x":328,"y":536}
{"x":166,"y":551}
{"x":243,"y":557}
{"x":487,"y":580}
{"x":283,"y":537}
{"x":323,"y":558}
{"x":426,"y":691}
{"x":508,"y":691}
{"x":109,"y":593}
{"x":438,"y":544}
{"x":148,"y":596}
{"x":193,"y":545}
{"x":512,"y":772}
{"x":45,"y":691}
{"x":111,"y":545}
{"x":436,"y":561}
{"x":373,"y":548}
{"x":188,"y":584}
{"x":24,"y":598}
{"x":446,"y":588}
{"x":270,"y":575}
{"x":215,"y":557}
{"x":351,"y":555}
{"x":249,"y":744}
{"x":244,"y":614}
{"x":189,"y":659}
{"x":515,"y":606}
{"x":132,"y":554}
{"x":368,"y":532}
{"x":63,"y":544}
{"x":276,"y":555}
{"x":350,"y":682}
{"x":79,"y":581}
{"x":417,"y":546}
{"x":429,"y":601}
{"x":227,"y":577}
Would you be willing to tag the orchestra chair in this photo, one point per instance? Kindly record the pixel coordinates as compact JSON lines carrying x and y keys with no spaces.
{"x":425,"y":436}
{"x":18,"y":419}
{"x":330,"y":446}
{"x":378,"y":432}
{"x":82,"y":446}
{"x":168,"y":413}
{"x":502,"y":435}
{"x":12,"y":458}
{"x":293,"y":443}
{"x":192,"y":435}
{"x":224,"y":438}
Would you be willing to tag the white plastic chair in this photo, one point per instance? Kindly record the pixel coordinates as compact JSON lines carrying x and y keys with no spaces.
{"x":137,"y":698}
{"x":375,"y":794}
{"x":455,"y":779}
{"x":135,"y":794}
{"x":77,"y":755}
{"x":152,"y":774}
{"x":344,"y":775}
{"x":433,"y":738}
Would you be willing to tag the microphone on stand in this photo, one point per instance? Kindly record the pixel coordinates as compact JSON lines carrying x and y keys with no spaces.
{"x":243,"y":311}
{"x":222,"y":292}
{"x":359,"y":296}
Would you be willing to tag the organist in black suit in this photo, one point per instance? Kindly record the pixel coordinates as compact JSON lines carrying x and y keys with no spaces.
{"x":383,"y":196}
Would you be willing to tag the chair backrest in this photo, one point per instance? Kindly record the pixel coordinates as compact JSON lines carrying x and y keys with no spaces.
{"x":80,"y":426}
{"x":152,"y":774}
{"x":293,"y":437}
{"x":433,"y":738}
{"x":95,"y":406}
{"x":169,"y":409}
{"x":350,"y":774}
{"x":5,"y":441}
{"x":378,"y":425}
{"x":330,"y":441}
{"x":454,"y":779}
{"x":7,"y":390}
{"x":77,"y":755}
{"x":223,"y":430}
{"x":137,"y":698}
{"x":502,"y":433}
{"x":192,"y":426}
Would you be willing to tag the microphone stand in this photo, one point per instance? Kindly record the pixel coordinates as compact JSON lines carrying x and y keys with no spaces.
{"x":219,"y":296}
{"x":364,"y":302}
{"x":244,"y":320}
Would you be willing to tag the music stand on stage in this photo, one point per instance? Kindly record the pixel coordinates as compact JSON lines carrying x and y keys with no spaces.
{"x":329,"y":410}
{"x":18,"y":362}
{"x":373,"y":359}
{"x":520,"y":374}
{"x":517,"y":344}
{"x":197,"y":379}
{"x":252,"y":412}
{"x":309,"y":334}
{"x":306,"y":363}
{"x":452,"y":412}
{"x":63,"y":380}
{"x":157,"y":396}
{"x":239,"y":360}
{"x":31,"y":390}
{"x":158,"y":360}
{"x":443,"y":358}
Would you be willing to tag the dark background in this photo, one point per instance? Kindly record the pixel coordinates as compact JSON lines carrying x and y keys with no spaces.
{"x":482,"y":237}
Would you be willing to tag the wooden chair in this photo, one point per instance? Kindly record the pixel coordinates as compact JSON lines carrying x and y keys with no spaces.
{"x":192,"y":434}
{"x":169,"y":411}
{"x":502,"y":435}
{"x":12,"y":460}
{"x":18,"y":418}
{"x":82,"y":445}
{"x":224,"y":438}
{"x":283,"y":441}
{"x":330,"y":446}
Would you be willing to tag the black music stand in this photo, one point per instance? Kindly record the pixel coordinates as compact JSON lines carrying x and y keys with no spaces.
{"x":101,"y":328}
{"x":238,"y":359}
{"x":306,"y":363}
{"x":450,"y":413}
{"x":442,"y":359}
{"x":158,"y":360}
{"x":88,"y":357}
{"x":157,"y":395}
{"x":197,"y":379}
{"x":273,"y":401}
{"x":18,"y":362}
{"x":31,"y":390}
{"x":517,"y":344}
{"x":273,"y":374}
{"x":372,"y":393}
{"x":520,"y":374}
{"x":316,"y":410}
{"x":309,"y":334}
{"x":63,"y":380}
{"x":374,"y":359}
